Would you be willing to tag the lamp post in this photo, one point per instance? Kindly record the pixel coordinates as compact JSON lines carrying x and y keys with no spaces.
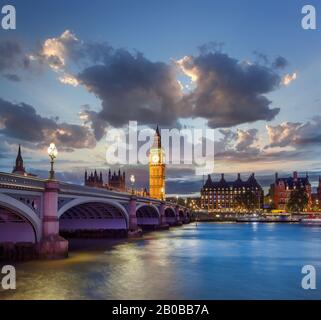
{"x":52,"y":152}
{"x":132,"y":181}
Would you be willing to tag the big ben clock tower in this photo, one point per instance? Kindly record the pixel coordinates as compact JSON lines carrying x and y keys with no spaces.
{"x":157,"y":168}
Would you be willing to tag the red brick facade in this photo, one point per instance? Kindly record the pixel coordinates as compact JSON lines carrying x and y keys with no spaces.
{"x":281,"y":189}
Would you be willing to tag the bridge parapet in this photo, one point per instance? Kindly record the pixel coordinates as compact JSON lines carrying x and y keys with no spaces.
{"x":73,"y":189}
{"x":9,"y":180}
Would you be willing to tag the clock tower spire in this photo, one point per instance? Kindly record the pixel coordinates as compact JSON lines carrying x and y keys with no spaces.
{"x":157,"y":168}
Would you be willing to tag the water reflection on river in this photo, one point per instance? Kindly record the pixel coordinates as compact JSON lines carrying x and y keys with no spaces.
{"x":208,"y":261}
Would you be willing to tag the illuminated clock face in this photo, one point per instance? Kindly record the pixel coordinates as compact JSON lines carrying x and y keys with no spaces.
{"x":155,"y":158}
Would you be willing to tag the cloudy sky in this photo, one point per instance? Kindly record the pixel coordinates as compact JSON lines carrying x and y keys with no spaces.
{"x":70,"y":72}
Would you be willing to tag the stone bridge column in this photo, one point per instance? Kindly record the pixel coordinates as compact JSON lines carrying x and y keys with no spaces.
{"x":134,"y":230}
{"x":162,"y":214}
{"x":132,"y":213}
{"x":51,"y":245}
{"x":177,"y":212}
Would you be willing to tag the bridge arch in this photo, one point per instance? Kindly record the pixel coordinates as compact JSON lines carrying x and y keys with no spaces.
{"x":88,"y":213}
{"x":170,"y":212}
{"x":152,"y":209}
{"x":22,"y":222}
{"x":147,"y":214}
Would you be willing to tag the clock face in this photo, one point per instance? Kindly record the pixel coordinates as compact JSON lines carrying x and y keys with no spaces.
{"x":155,"y":158}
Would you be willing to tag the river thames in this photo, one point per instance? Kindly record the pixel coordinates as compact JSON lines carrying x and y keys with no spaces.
{"x":204,"y":261}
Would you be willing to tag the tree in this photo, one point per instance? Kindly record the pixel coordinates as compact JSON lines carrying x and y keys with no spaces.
{"x":247,"y":200}
{"x":298,"y":200}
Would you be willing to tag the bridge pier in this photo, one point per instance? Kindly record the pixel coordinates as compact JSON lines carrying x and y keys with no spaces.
{"x":133,"y":229}
{"x":179,"y":222}
{"x":51,"y":245}
{"x":163,"y":221}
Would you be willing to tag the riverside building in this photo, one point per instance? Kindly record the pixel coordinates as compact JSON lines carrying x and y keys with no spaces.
{"x":222,"y":195}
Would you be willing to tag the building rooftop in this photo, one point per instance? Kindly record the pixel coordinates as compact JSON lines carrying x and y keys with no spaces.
{"x":238,"y":183}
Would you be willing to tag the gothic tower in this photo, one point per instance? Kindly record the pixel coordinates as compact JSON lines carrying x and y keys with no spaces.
{"x":157,"y":168}
{"x":19,"y":168}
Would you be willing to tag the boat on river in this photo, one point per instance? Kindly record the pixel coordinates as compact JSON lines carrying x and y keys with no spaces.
{"x":311,"y":220}
{"x":265,"y":219}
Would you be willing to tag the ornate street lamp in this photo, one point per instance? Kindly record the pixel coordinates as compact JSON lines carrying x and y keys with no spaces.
{"x":132,"y":181}
{"x":53,"y":152}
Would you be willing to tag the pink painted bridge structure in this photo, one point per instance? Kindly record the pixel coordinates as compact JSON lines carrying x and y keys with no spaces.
{"x":39,"y":211}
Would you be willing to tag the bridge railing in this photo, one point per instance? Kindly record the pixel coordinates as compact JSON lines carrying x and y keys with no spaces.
{"x":10,"y":180}
{"x":67,"y":188}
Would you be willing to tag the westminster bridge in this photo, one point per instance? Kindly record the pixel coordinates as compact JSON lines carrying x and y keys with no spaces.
{"x":39,"y":211}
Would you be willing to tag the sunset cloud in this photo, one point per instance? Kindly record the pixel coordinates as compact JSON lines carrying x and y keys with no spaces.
{"x":56,"y":50}
{"x":295,"y":134}
{"x":288,"y":78}
{"x":229,"y":92}
{"x":69,"y":79}
{"x":22,"y":122}
{"x":225,"y":91}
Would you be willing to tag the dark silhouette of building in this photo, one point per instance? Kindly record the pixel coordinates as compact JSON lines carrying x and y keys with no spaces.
{"x":94,"y":180}
{"x":281,"y":188}
{"x":116,"y":182}
{"x":19,"y":167}
{"x":222,"y":195}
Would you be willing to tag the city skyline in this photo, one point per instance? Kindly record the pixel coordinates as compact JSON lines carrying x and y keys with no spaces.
{"x":67,"y":82}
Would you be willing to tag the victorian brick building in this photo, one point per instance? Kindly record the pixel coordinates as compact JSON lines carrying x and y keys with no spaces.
{"x":281,"y":188}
